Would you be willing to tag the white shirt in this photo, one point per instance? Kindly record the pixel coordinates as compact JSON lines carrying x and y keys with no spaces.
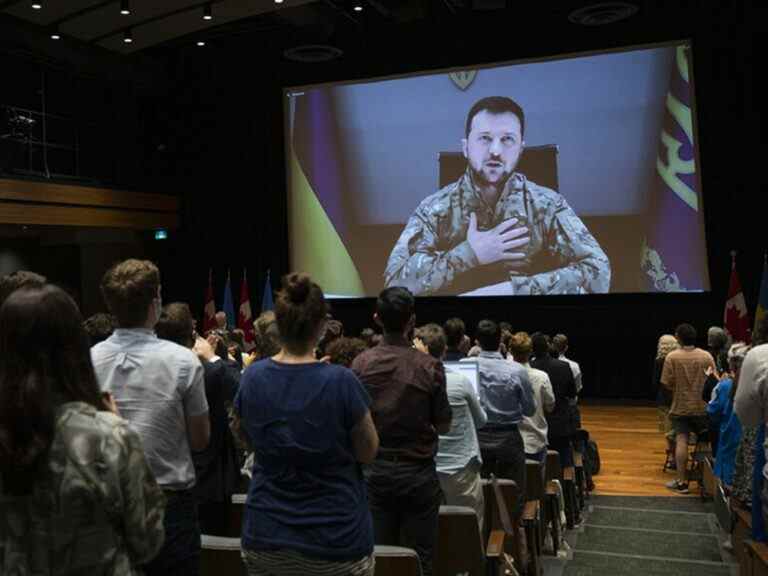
{"x":534,"y":428}
{"x":751,"y":401}
{"x":576,"y":370}
{"x":157,"y":385}
{"x":457,"y":448}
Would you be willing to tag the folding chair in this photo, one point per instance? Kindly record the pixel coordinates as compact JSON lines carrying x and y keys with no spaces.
{"x":460,"y":545}
{"x":396,"y":561}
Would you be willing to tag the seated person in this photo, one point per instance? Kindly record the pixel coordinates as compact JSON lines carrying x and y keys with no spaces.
{"x":494,"y":229}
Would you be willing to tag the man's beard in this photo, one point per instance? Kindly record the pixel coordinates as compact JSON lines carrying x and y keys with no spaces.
{"x":479,"y":179}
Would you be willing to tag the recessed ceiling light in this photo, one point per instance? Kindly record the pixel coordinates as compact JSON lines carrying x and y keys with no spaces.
{"x":278,"y":1}
{"x":358,"y":8}
{"x":125,"y":7}
{"x":207,"y":12}
{"x":36,"y":5}
{"x":128,"y":36}
{"x":200,"y":43}
{"x":55,"y":36}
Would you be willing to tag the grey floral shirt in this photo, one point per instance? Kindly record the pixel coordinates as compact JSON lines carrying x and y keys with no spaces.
{"x":433,"y":256}
{"x":94,"y":509}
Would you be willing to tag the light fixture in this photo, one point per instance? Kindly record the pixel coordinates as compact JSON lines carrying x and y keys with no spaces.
{"x":278,"y":1}
{"x":37,"y":5}
{"x":55,"y":34}
{"x":207,"y":12}
{"x":200,"y":43}
{"x":358,"y":8}
{"x":125,"y":7}
{"x":128,"y":36}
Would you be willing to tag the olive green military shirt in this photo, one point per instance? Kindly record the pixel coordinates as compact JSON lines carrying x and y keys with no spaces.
{"x":433,"y":256}
{"x":94,"y":508}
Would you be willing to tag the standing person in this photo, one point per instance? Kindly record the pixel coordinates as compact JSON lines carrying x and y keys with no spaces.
{"x":684,"y":373}
{"x":410,"y":409}
{"x":666,"y":344}
{"x":76,"y":493}
{"x":159,"y":388}
{"x":309,"y":425}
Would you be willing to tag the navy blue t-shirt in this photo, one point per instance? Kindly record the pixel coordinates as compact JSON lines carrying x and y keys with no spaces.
{"x":307,"y":492}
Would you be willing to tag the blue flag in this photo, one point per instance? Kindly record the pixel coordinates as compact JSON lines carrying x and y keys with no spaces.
{"x":229,"y":305}
{"x":266,"y":300}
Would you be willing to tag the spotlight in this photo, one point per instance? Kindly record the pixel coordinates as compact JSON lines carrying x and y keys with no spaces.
{"x":125,"y":7}
{"x":200,"y":43}
{"x":278,"y":1}
{"x":358,"y":8}
{"x":55,"y":35}
{"x":37,"y":5}
{"x":128,"y":36}
{"x":207,"y":12}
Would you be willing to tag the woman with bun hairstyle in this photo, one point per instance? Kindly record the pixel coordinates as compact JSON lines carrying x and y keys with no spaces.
{"x":310,"y":427}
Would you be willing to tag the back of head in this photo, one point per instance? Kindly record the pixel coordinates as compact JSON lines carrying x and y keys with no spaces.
{"x":128,"y":289}
{"x":394,"y":308}
{"x":46,"y":361}
{"x":686,"y":335}
{"x":19,"y":279}
{"x":540,"y":344}
{"x":560,"y":344}
{"x":736,"y":354}
{"x":176,"y":324}
{"x":521,"y":346}
{"x":716,"y":338}
{"x":99,"y":327}
{"x":667,"y":343}
{"x":433,"y":337}
{"x":266,"y":335}
{"x":488,"y":335}
{"x":344,"y":350}
{"x":333,"y":330}
{"x":454,"y":329}
{"x":300,"y":311}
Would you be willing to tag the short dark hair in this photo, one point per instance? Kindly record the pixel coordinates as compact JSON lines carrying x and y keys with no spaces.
{"x":560,"y":343}
{"x":454,"y":329}
{"x":128,"y":289}
{"x":540,"y":344}
{"x":46,"y":361}
{"x":9,"y":283}
{"x":344,"y":350}
{"x":395,"y":307}
{"x":686,"y":334}
{"x":488,"y":335}
{"x":175,"y":324}
{"x":433,"y":337}
{"x":495,"y":105}
{"x":300,"y":311}
{"x":99,"y":327}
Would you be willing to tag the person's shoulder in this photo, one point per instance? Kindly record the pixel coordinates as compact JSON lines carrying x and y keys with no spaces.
{"x":173,"y":351}
{"x":543,"y":194}
{"x":538,"y":376}
{"x":441,"y":201}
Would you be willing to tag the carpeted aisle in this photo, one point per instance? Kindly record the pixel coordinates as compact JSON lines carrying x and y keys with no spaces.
{"x":646,"y":536}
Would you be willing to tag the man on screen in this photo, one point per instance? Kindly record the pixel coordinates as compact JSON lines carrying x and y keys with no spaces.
{"x":493,"y":229}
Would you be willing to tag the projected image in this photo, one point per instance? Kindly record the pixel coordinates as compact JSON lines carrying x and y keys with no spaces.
{"x":574,"y":176}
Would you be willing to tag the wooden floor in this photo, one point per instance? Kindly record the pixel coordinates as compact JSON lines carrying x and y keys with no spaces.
{"x":631,"y":450}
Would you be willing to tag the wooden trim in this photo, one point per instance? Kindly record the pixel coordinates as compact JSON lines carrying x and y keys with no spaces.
{"x":34,"y":214}
{"x":51,"y":193}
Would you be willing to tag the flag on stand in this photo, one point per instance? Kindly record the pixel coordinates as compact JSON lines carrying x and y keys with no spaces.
{"x":267,"y":303}
{"x":762,"y":299}
{"x":209,"y":310}
{"x":244,"y":316}
{"x":229,"y":305}
{"x":736,"y":318}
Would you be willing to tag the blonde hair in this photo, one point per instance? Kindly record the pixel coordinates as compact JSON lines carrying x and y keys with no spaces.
{"x":667,"y":343}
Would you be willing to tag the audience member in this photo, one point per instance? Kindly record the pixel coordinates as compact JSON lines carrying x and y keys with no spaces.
{"x":310,"y":427}
{"x":217,"y":467}
{"x":19,"y":279}
{"x":666,"y":344}
{"x":458,"y":458}
{"x":454,"y":335}
{"x":266,"y":336}
{"x":344,"y":350}
{"x":221,"y":320}
{"x":718,"y":343}
{"x":99,"y":327}
{"x":158,"y":387}
{"x":721,"y":416}
{"x":533,"y":428}
{"x":367,"y":335}
{"x":507,"y":397}
{"x":684,"y":374}
{"x":333,"y":331}
{"x":410,"y":408}
{"x":77,"y":494}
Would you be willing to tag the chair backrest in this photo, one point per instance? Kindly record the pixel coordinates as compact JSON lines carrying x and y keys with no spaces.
{"x":220,"y":555}
{"x":554,"y":472}
{"x":396,"y":561}
{"x":459,"y":547}
{"x":534,"y":480}
{"x":538,"y":163}
{"x":505,"y":495}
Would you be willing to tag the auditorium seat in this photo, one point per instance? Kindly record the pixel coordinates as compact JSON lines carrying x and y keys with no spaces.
{"x":552,"y":499}
{"x":708,"y":478}
{"x":220,"y":556}
{"x":532,"y":512}
{"x":755,"y":559}
{"x":397,"y":561}
{"x":460,"y":547}
{"x":742,"y":531}
{"x":501,"y":494}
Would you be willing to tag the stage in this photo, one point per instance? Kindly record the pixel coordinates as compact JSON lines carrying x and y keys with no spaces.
{"x":631,"y":449}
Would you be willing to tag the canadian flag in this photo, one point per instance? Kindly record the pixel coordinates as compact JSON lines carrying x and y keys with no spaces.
{"x":244,"y":316}
{"x":209,"y":311}
{"x":736,"y":317}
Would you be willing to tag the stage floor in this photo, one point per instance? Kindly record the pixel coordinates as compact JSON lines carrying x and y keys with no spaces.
{"x":631,"y":449}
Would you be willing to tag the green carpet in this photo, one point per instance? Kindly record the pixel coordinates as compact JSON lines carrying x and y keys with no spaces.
{"x":594,"y":565}
{"x":670,"y":521}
